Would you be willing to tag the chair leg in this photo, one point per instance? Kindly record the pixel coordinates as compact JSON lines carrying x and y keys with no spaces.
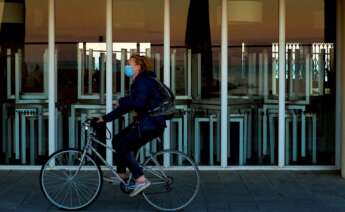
{"x":272,"y":139}
{"x":314,"y":140}
{"x":23,"y":139}
{"x":303,"y":129}
{"x":294,"y":138}
{"x":287,"y":142}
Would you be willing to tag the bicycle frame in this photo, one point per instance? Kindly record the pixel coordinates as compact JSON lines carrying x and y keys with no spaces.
{"x":88,"y":147}
{"x":75,"y":161}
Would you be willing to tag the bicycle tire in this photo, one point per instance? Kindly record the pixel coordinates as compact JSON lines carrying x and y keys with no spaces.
{"x":43,"y":180}
{"x":159,"y":203}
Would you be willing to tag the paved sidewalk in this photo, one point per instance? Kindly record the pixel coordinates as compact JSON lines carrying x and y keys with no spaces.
{"x":220,"y":191}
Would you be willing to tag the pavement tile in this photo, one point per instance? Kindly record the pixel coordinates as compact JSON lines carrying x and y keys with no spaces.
{"x":220,"y":191}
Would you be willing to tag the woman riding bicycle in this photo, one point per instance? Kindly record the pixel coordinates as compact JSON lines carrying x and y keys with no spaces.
{"x":144,"y":96}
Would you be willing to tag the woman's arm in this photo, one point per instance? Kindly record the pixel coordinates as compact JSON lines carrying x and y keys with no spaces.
{"x":139,"y":96}
{"x":137,"y":100}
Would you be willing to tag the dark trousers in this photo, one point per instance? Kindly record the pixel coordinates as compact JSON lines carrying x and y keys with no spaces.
{"x":128,"y":142}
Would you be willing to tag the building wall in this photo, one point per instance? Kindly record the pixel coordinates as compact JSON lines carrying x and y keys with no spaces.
{"x":341,"y":4}
{"x":195,"y":73}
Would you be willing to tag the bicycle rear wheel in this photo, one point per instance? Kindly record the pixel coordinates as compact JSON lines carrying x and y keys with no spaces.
{"x":65,"y":185}
{"x":171,"y":190}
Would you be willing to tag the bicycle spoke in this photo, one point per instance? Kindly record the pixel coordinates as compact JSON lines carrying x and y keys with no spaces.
{"x":53,"y":184}
{"x":77,"y":192}
{"x":88,"y":178}
{"x":57,"y":175}
{"x":66,"y":195}
{"x":71,"y":195}
{"x":157,"y":183}
{"x":82,"y":185}
{"x":86,"y":188}
{"x":82,"y":193}
{"x":60,"y":191}
{"x":85,"y":192}
{"x":156,"y":174}
{"x":87,"y":183}
{"x":159,"y":166}
{"x":172,"y":192}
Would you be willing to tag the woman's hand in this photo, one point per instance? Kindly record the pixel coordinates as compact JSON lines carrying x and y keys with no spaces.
{"x":115,"y":103}
{"x":100,"y":120}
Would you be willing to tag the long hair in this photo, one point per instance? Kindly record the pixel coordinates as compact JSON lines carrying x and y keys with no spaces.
{"x":144,"y":62}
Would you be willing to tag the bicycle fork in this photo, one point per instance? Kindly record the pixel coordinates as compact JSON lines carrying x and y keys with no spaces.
{"x":85,"y":150}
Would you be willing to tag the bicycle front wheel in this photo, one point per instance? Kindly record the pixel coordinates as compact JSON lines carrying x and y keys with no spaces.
{"x":171,"y":189}
{"x":69,"y":181}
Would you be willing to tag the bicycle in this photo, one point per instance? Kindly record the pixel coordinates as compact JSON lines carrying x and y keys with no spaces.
{"x":71,"y":179}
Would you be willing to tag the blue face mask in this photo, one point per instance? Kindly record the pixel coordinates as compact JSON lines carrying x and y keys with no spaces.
{"x":129,"y":72}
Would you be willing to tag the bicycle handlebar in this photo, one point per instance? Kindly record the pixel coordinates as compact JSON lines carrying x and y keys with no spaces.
{"x":93,"y":124}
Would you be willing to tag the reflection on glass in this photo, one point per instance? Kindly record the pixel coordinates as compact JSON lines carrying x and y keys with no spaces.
{"x":253,"y":83}
{"x":80,"y":67}
{"x":23,"y":94}
{"x":310,"y":83}
{"x":195,"y":76}
{"x":137,"y":29}
{"x":195,"y":79}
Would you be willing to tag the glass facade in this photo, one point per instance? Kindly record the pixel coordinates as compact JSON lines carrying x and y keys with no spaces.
{"x":310,"y":82}
{"x":80,"y":54}
{"x":253,"y":83}
{"x":195,"y":73}
{"x":23,"y":44}
{"x":136,"y":29}
{"x":195,"y":78}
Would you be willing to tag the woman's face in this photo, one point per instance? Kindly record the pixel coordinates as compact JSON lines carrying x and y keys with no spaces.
{"x":136,"y":67}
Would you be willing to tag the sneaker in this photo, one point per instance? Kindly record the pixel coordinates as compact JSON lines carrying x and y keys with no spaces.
{"x":139,"y":187}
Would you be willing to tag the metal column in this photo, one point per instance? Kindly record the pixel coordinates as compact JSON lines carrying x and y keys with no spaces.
{"x":109,"y":79}
{"x":224,"y":84}
{"x":51,"y":77}
{"x":166,"y":73}
{"x":282,"y":55}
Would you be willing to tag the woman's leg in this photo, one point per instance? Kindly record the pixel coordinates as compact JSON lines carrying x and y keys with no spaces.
{"x":118,"y":140}
{"x":129,"y":142}
{"x":145,"y":137}
{"x":125,"y":143}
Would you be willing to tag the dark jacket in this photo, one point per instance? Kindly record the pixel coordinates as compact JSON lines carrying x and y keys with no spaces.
{"x":144,"y":95}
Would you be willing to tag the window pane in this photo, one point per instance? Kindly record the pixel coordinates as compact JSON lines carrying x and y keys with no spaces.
{"x":253,"y":82}
{"x":23,"y":76}
{"x":80,"y":66}
{"x":137,"y":29}
{"x":310,"y":82}
{"x":195,"y":78}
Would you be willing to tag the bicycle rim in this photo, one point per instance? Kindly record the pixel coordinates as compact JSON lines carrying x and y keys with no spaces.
{"x":65,"y":185}
{"x":170,"y":190}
